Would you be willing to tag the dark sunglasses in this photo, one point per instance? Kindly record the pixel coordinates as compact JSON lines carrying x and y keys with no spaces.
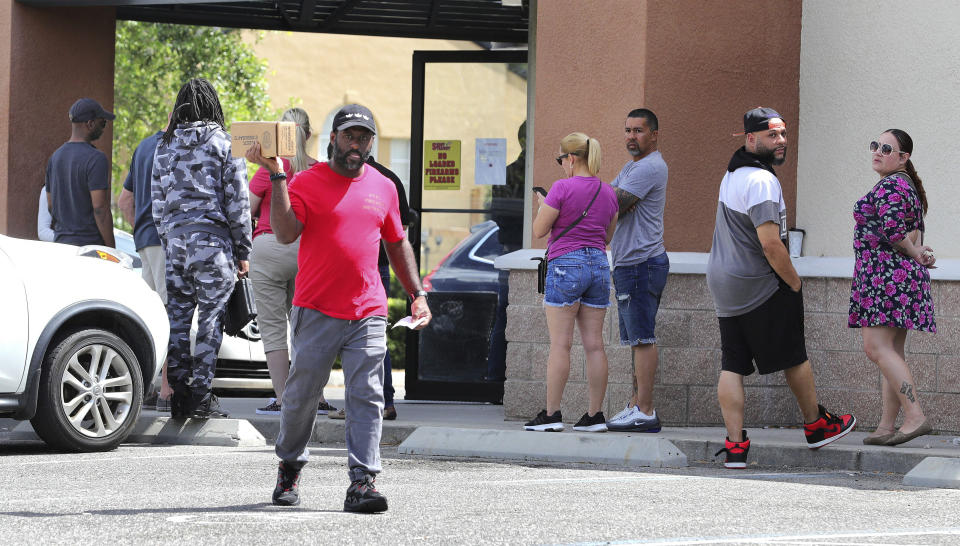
{"x":885,"y":149}
{"x":562,"y":156}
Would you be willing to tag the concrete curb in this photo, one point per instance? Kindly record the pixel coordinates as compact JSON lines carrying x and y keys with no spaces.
{"x":520,"y":445}
{"x":198,"y":432}
{"x":939,"y":472}
{"x":837,"y":457}
{"x":332,"y":431}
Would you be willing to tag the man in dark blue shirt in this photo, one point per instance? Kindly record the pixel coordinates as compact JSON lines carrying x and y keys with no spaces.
{"x":78,"y":180}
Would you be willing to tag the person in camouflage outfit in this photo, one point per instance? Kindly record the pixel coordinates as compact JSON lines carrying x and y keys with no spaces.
{"x":202,"y":211}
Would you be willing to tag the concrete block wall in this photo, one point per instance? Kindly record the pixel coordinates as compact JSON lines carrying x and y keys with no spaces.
{"x":689,"y":346}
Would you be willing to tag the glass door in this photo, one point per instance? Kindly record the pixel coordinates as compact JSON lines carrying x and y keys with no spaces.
{"x":467,"y":134}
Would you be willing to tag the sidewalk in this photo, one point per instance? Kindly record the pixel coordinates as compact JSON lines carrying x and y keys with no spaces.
{"x":769,"y":447}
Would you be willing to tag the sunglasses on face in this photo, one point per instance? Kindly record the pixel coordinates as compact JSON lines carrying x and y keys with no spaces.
{"x":561,"y":157}
{"x":884,"y":149}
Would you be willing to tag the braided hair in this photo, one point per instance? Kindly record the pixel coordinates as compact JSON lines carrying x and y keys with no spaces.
{"x":196,"y":101}
{"x":906,"y":145}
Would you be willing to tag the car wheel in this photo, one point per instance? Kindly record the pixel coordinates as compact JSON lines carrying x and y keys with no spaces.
{"x":91,"y":391}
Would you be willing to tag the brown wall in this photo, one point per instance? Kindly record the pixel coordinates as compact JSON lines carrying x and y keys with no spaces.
{"x":696,"y":64}
{"x":53,"y":57}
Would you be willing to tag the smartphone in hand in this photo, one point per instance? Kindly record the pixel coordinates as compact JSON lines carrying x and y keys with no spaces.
{"x":540,"y":190}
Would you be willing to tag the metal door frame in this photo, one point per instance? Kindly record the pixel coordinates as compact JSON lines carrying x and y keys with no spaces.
{"x":417,"y":389}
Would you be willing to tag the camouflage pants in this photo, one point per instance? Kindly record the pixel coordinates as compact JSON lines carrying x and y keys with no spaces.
{"x":200,"y":274}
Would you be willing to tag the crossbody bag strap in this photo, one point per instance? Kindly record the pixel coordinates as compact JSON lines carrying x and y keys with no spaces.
{"x":581,"y":217}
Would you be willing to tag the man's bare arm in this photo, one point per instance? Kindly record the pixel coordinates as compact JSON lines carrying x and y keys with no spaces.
{"x":283,"y":221}
{"x":401,"y":258}
{"x":626,"y":202}
{"x":102,"y":215}
{"x":776,"y":253}
{"x":126,"y":206}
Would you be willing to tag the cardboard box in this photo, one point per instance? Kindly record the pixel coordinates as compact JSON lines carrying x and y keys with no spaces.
{"x":275,"y":137}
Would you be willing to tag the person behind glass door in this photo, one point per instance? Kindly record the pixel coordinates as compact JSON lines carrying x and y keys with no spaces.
{"x":891,"y":282}
{"x":578,"y":277}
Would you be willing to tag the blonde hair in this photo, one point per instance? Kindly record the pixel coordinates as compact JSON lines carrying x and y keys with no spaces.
{"x":584,"y":147}
{"x":301,"y":161}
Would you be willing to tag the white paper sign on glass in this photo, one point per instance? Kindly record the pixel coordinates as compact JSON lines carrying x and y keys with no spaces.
{"x":491,"y":162}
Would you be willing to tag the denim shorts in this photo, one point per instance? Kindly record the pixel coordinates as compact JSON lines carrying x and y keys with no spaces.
{"x":581,"y":276}
{"x":639,"y":287}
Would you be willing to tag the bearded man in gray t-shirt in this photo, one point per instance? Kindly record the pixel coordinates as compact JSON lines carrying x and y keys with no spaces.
{"x":757,"y":292}
{"x":640,"y":263}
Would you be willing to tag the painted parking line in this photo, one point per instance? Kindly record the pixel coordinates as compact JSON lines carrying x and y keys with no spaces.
{"x":257,"y":518}
{"x":808,"y":539}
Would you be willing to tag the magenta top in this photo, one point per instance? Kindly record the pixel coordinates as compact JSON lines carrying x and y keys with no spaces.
{"x":571,"y":196}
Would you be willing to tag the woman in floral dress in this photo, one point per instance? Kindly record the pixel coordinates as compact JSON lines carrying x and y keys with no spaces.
{"x":891,"y":283}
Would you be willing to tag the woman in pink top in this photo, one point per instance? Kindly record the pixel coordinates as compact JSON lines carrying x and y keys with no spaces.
{"x":578,"y":276}
{"x":273,"y":268}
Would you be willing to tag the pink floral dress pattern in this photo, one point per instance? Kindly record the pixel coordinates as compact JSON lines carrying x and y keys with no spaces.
{"x":889,"y":288}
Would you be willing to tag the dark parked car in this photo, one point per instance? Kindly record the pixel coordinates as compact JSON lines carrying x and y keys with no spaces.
{"x":469,"y":266}
{"x":463,"y":297}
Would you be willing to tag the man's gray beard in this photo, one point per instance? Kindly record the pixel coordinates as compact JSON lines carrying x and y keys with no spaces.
{"x":635,"y":151}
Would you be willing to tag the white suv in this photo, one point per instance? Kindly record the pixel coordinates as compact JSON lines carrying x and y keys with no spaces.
{"x":79,"y":332}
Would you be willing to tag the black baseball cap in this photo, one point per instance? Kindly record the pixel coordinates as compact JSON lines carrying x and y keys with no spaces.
{"x":354,"y":115}
{"x":761,"y":119}
{"x":88,"y":109}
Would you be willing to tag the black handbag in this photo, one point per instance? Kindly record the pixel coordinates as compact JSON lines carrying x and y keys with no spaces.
{"x":241,"y":307}
{"x":542,"y":266}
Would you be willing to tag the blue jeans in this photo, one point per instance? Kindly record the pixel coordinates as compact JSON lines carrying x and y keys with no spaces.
{"x":387,"y":370}
{"x":580,"y":276}
{"x":639,"y":288}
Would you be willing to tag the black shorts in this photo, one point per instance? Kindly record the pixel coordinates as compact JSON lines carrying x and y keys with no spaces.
{"x":771,"y":335}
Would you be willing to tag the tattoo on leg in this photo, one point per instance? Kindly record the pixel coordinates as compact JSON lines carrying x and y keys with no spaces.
{"x":907,"y":390}
{"x":636,"y":391}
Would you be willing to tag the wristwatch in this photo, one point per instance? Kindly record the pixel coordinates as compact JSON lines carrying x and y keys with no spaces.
{"x":419,"y":293}
{"x":278,"y":176}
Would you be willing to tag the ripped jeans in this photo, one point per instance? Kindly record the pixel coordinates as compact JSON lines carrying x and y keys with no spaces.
{"x":580,"y":276}
{"x":639,"y":288}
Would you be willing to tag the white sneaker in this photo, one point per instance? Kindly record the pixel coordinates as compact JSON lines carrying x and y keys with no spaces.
{"x":622,"y":414}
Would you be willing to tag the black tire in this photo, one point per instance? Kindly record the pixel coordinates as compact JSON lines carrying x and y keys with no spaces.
{"x":67,"y":389}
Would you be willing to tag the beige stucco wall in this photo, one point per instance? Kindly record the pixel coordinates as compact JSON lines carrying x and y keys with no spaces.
{"x":867,"y":66}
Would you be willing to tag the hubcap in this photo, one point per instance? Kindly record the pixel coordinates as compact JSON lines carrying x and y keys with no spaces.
{"x":96,"y":390}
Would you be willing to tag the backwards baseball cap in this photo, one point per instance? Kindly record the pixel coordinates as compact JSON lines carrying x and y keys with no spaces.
{"x":88,"y":109}
{"x":761,"y":119}
{"x":354,"y":115}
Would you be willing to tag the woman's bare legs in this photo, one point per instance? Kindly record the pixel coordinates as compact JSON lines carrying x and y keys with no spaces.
{"x":884,"y":347}
{"x":560,"y":322}
{"x":590,"y":321}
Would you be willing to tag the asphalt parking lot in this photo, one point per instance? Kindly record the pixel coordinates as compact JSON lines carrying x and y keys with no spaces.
{"x":210,"y":495}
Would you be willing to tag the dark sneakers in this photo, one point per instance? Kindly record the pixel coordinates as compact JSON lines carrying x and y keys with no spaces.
{"x":287,"y":491}
{"x":736,"y":452}
{"x":209,"y":408}
{"x":543,"y":422}
{"x":827,"y":428}
{"x":363,"y":497}
{"x":597,"y":423}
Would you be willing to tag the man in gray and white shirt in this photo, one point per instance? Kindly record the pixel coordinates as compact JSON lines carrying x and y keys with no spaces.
{"x":757,"y":291}
{"x":640,"y":263}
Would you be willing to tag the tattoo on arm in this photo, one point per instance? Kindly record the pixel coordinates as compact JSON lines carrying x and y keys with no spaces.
{"x":626,"y":202}
{"x":907,"y":390}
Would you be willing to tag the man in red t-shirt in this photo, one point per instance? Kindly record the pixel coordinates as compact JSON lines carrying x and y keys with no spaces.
{"x":340,"y":210}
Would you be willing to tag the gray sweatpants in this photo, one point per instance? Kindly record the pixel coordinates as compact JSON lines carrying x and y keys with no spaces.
{"x":317,"y":340}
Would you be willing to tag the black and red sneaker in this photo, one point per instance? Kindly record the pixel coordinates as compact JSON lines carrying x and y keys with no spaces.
{"x":827,"y":428}
{"x":736,"y":452}
{"x":287,"y":491}
{"x":362,"y":496}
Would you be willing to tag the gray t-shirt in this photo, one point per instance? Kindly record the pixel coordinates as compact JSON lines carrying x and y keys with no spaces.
{"x":639,"y":234}
{"x":738,"y":273}
{"x":74,"y":170}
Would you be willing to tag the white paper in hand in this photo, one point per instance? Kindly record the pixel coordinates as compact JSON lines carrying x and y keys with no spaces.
{"x":409,"y":322}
